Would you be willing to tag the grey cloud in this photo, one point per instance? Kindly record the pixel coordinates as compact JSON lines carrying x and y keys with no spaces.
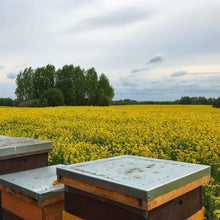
{"x":127,"y":82}
{"x":113,"y":19}
{"x":179,"y":73}
{"x":156,"y":59}
{"x":12,"y":75}
{"x":1,"y":67}
{"x":169,"y":88}
{"x":208,"y":73}
{"x":139,"y":70}
{"x":156,"y":82}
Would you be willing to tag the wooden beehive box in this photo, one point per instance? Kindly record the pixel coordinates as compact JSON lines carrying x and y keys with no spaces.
{"x":130,"y":187}
{"x":17,"y":154}
{"x":31,"y":195}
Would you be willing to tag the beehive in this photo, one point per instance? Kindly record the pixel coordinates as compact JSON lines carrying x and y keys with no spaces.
{"x":130,"y":187}
{"x":31,"y":195}
{"x":17,"y":154}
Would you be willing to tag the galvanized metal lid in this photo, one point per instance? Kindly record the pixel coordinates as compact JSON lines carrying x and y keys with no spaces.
{"x":21,"y":145}
{"x":36,"y":183}
{"x":139,"y":177}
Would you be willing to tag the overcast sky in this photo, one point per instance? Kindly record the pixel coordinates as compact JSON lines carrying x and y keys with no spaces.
{"x":149,"y":49}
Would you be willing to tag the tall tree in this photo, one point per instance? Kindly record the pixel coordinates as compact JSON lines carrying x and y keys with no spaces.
{"x":79,"y":85}
{"x":105,"y":92}
{"x":185,"y":100}
{"x":76,"y":76}
{"x":67,"y":71}
{"x":24,"y":81}
{"x":67,"y":87}
{"x":43,"y":79}
{"x":91,"y":86}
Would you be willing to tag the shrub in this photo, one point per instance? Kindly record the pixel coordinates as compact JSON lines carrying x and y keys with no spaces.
{"x":54,"y":97}
{"x":6,"y":102}
{"x":30,"y":103}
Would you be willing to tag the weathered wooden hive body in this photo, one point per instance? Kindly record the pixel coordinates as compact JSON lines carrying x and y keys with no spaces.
{"x":130,"y":187}
{"x":18,"y":154}
{"x":31,"y":195}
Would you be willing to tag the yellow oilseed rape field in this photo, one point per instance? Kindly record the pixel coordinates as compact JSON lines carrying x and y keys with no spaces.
{"x":173,"y":132}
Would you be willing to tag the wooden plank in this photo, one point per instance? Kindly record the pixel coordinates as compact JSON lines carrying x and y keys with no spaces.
{"x":89,"y":206}
{"x":17,"y":194}
{"x":50,"y":209}
{"x":30,"y":200}
{"x":180,"y":208}
{"x":53,"y":211}
{"x":177,"y":192}
{"x":6,"y":215}
{"x":128,"y":200}
{"x":23,"y":209}
{"x":12,"y":156}
{"x":198,"y":216}
{"x":24,"y":162}
{"x":53,"y":200}
{"x":68,"y":216}
{"x":115,"y":196}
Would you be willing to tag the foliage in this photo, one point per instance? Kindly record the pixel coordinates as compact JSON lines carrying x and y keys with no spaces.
{"x":68,"y":90}
{"x":53,"y":97}
{"x":79,"y":87}
{"x":105,"y":91}
{"x":216,"y":103}
{"x":91,"y":86}
{"x":6,"y":102}
{"x":30,"y":103}
{"x":74,"y":93}
{"x":43,"y":80}
{"x":24,"y":81}
{"x":185,"y":100}
{"x":173,"y":132}
{"x":134,"y":102}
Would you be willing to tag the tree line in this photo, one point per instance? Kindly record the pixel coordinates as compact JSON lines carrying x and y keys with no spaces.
{"x":185,"y":100}
{"x":69,"y":85}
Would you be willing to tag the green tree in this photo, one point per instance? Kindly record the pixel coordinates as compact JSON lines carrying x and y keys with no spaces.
{"x":91,"y":86}
{"x":201,"y":100}
{"x":6,"y":102}
{"x":185,"y":100}
{"x":76,"y":76}
{"x":53,"y":97}
{"x":79,"y":87}
{"x":66,"y":72}
{"x":67,"y":87}
{"x":43,"y":79}
{"x":79,"y":82}
{"x":105,"y":92}
{"x":24,"y":81}
{"x":210,"y":101}
{"x":216,"y":103}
